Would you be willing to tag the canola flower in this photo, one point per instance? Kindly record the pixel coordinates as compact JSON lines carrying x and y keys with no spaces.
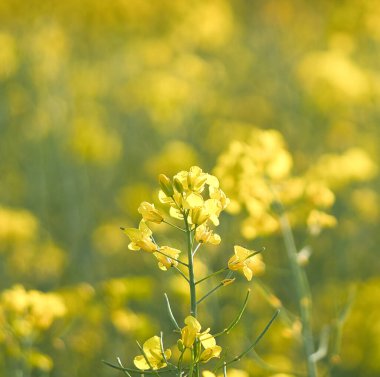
{"x":24,"y":317}
{"x":194,"y":198}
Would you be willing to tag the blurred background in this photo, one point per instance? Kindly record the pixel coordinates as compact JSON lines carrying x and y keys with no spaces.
{"x":99,"y":97}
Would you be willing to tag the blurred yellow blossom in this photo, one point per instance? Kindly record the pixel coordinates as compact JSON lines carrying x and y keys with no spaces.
{"x":335,"y":70}
{"x":152,"y":357}
{"x":355,"y":164}
{"x":31,"y":311}
{"x":175,"y":156}
{"x":17,"y":225}
{"x":8,"y":55}
{"x":317,"y":220}
{"x":93,"y":143}
{"x":40,"y":361}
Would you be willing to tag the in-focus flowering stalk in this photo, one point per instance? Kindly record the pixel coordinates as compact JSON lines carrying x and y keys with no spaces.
{"x":195,"y":198}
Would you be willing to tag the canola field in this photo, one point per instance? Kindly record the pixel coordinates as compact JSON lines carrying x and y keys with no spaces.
{"x":253,"y":127}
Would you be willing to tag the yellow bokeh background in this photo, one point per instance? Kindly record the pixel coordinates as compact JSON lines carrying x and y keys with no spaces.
{"x":99,"y":97}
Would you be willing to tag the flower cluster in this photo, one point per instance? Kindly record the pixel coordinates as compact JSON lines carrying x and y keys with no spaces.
{"x":24,"y":316}
{"x":193,"y":196}
{"x":196,"y":199}
{"x":257,"y":175}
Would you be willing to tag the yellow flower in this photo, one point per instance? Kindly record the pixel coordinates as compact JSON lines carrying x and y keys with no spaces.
{"x":209,"y":353}
{"x":150,"y":213}
{"x":190,"y":331}
{"x":317,"y":220}
{"x":199,"y":215}
{"x":204,"y":234}
{"x":210,"y":348}
{"x":165,"y":261}
{"x":140,"y":238}
{"x":153,"y":355}
{"x":166,"y":185}
{"x":243,"y":261}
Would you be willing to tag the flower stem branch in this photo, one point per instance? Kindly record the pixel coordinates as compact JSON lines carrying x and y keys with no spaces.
{"x":211,"y":275}
{"x":168,"y":256}
{"x":174,"y":226}
{"x":253,"y":345}
{"x":302,"y":291}
{"x":171,"y":316}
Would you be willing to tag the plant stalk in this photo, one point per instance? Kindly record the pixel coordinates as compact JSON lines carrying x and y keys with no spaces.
{"x":303,"y":293}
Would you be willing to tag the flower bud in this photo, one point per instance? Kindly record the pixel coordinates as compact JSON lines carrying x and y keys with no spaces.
{"x":199,"y":215}
{"x":178,"y":185}
{"x":180,"y":345}
{"x":150,"y":213}
{"x":226,"y":282}
{"x":166,"y":185}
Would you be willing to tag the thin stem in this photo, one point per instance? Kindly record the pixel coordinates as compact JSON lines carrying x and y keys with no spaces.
{"x":171,"y":313}
{"x":224,"y":369}
{"x":174,"y":226}
{"x":179,"y":364}
{"x":209,"y":293}
{"x":197,"y":248}
{"x":193,"y":296}
{"x":131,"y":370}
{"x":163,"y":351}
{"x":302,"y":291}
{"x":211,"y":275}
{"x":181,"y":273}
{"x":122,"y":366}
{"x":237,"y":358}
{"x":168,"y":256}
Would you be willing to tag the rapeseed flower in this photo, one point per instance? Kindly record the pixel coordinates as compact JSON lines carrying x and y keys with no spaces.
{"x":141,"y":238}
{"x":203,"y":234}
{"x":166,"y":261}
{"x":150,"y":213}
{"x":191,"y":332}
{"x":153,"y":356}
{"x":246,"y":262}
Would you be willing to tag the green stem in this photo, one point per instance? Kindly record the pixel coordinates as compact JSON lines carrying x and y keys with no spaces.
{"x":211,"y":275}
{"x":168,"y":256}
{"x":174,"y":226}
{"x":190,"y":265}
{"x":170,"y":312}
{"x":253,"y":345}
{"x":209,"y":293}
{"x":302,"y":291}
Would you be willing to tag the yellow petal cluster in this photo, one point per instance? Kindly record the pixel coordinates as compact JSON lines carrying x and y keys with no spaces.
{"x":28,"y":312}
{"x":194,"y":193}
{"x":165,"y":257}
{"x":204,"y":234}
{"x":152,"y":357}
{"x":192,"y":331}
{"x":150,"y":213}
{"x":317,"y":220}
{"x":140,"y":238}
{"x":244,"y":262}
{"x":256,"y":174}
